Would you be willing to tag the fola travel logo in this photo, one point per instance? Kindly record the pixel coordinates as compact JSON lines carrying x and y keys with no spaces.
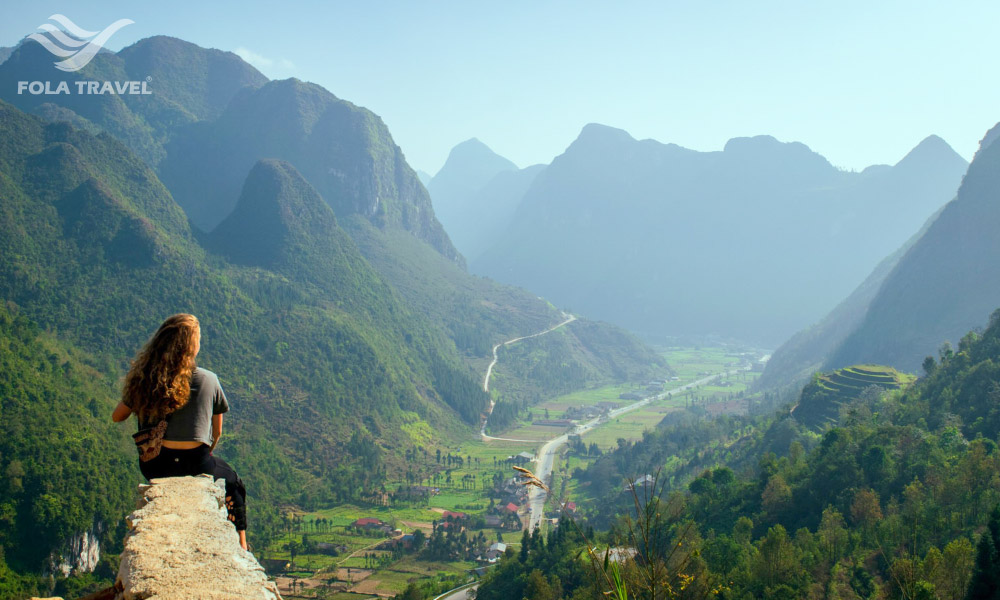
{"x":75,"y":44}
{"x":76,"y":47}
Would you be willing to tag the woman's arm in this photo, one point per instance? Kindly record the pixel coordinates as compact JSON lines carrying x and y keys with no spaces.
{"x":216,"y":430}
{"x":121,"y":413}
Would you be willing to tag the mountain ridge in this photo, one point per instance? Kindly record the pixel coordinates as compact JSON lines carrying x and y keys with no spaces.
{"x":598,"y":230}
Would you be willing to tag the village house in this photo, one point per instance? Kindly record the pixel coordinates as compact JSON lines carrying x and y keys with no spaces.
{"x":640,"y":485}
{"x":405,"y":541}
{"x":330,"y":549}
{"x":521,"y":459}
{"x":373,"y":524}
{"x":367,"y":523}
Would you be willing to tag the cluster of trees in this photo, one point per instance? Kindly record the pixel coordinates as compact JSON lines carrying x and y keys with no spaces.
{"x":545,"y":568}
{"x":505,"y":414}
{"x":581,"y":448}
{"x":452,"y":543}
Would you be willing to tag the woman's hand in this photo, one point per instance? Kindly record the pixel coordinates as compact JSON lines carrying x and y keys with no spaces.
{"x":121,"y":413}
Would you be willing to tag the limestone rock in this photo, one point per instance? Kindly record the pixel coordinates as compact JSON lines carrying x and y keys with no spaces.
{"x":181,"y":545}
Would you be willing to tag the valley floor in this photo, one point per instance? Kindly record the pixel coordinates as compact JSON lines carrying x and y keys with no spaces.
{"x":375,"y":562}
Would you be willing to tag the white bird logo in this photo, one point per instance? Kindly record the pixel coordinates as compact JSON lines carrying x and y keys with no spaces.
{"x":72,"y":43}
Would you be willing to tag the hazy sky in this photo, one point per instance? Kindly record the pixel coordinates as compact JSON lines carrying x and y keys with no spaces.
{"x":860,"y":82}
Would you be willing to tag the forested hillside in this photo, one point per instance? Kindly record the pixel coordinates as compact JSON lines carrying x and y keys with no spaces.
{"x":54,"y":435}
{"x":891,"y":501}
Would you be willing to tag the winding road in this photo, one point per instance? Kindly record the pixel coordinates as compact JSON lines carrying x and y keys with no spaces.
{"x":489,"y":373}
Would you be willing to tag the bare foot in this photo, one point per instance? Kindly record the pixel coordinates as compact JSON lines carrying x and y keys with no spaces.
{"x":243,"y":539}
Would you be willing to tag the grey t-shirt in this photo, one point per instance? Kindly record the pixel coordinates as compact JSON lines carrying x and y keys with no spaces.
{"x":193,"y":421}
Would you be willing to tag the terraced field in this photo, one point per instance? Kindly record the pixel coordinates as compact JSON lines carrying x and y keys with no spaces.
{"x":821,"y":400}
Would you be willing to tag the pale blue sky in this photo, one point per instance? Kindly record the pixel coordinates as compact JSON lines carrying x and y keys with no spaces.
{"x":860,"y":82}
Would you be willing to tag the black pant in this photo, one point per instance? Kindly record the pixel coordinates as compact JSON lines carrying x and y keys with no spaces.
{"x":178,"y":463}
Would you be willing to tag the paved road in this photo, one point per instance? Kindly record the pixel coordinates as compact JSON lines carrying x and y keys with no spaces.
{"x":465,"y":592}
{"x":546,"y":454}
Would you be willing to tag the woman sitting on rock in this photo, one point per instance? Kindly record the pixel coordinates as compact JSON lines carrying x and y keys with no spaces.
{"x":179,"y":407}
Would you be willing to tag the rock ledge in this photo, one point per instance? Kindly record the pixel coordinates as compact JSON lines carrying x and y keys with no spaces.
{"x":181,"y":545}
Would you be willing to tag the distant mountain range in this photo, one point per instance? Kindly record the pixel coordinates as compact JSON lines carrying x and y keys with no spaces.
{"x":752,"y":242}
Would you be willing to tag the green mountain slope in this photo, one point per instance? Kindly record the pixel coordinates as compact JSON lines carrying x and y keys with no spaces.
{"x":343,"y":150}
{"x":187,"y":84}
{"x":54,"y":435}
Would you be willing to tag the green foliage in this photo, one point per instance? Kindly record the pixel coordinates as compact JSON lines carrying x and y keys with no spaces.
{"x":547,"y":568}
{"x":985,"y":582}
{"x":54,"y":437}
{"x":885,"y":503}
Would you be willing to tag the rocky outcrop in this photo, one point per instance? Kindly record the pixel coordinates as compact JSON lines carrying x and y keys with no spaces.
{"x":181,"y":545}
{"x":80,"y":553}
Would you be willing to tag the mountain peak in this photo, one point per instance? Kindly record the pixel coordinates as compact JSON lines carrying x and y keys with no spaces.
{"x":764,"y":143}
{"x":470,"y":166}
{"x":931,"y":150}
{"x":277,"y":210}
{"x":596,"y":133}
{"x":475,"y":159}
{"x":990,"y":137}
{"x":764,"y":153}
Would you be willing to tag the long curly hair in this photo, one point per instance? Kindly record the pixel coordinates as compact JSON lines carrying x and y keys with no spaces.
{"x":159,"y":380}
